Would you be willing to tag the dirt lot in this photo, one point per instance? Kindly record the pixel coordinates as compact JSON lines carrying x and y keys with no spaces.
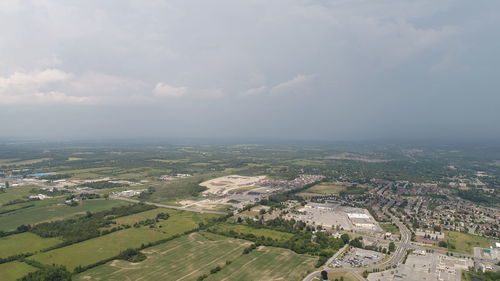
{"x":224,"y":185}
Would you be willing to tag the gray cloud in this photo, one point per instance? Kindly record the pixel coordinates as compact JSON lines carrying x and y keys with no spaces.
{"x":286,"y":68}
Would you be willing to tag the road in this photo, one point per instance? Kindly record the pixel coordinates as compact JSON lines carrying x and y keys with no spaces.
{"x":170,"y":206}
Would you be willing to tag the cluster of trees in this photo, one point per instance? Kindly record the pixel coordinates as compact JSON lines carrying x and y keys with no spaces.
{"x":303,"y":240}
{"x":152,"y":222}
{"x":249,"y":249}
{"x":86,"y":227}
{"x":50,"y":273}
{"x":482,"y":276}
{"x":84,"y":196}
{"x":478,"y":196}
{"x":55,"y":177}
{"x":131,"y":255}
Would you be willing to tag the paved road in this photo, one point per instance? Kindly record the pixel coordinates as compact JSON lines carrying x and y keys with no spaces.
{"x":170,"y":206}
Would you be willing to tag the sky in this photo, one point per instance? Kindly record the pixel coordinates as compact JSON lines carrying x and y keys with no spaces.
{"x":281,"y":69}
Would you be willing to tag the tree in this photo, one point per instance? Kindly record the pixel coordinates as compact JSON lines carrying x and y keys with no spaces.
{"x":324,"y":275}
{"x":345,"y":238}
{"x":356,"y":243}
{"x":51,"y":273}
{"x":23,"y":228}
{"x":392,"y":247}
{"x":443,"y":244}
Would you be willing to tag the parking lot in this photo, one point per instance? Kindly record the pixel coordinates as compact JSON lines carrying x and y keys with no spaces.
{"x":356,"y":257}
{"x":425,"y":267}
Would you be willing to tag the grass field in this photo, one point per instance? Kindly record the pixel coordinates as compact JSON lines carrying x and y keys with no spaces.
{"x":243,"y":229}
{"x":24,"y":243}
{"x":52,"y":209}
{"x":100,"y":248}
{"x":14,"y":193}
{"x":266,"y":264}
{"x":178,"y":222}
{"x":12,"y":271}
{"x":184,"y":258}
{"x":464,"y":242}
{"x":326,"y":188}
{"x":337,"y":275}
{"x":389,"y":227}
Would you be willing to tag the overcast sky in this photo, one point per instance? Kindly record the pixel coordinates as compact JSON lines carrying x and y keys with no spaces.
{"x":318,"y":69}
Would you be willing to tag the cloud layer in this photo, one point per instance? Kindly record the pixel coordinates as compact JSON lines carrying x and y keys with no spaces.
{"x":286,"y":68}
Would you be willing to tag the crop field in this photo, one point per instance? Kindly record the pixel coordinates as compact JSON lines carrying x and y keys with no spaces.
{"x":53,"y":209}
{"x":464,"y":242}
{"x":100,"y":248}
{"x":266,"y":264}
{"x":24,"y":243}
{"x":12,"y":271}
{"x":178,"y":222}
{"x":243,"y":229}
{"x":184,"y":258}
{"x":18,"y":206}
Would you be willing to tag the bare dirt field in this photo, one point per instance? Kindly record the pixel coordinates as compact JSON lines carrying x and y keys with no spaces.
{"x":224,"y":185}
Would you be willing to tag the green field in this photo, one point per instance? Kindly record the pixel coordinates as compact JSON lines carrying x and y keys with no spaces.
{"x":184,"y":258}
{"x":53,"y":209}
{"x":24,"y":243}
{"x":266,"y":264}
{"x":14,"y":193}
{"x":12,"y":271}
{"x":100,"y":248}
{"x":178,"y":222}
{"x":243,"y":229}
{"x":389,"y":227}
{"x":326,"y":188}
{"x":464,"y":242}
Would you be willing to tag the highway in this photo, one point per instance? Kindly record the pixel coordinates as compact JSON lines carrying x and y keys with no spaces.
{"x":170,"y":206}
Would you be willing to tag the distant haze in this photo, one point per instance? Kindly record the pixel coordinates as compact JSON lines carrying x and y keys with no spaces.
{"x":328,"y":70}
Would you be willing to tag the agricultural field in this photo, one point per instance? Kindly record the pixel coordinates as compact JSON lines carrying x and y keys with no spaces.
{"x":14,"y":270}
{"x":266,"y":264}
{"x":107,"y":246}
{"x":184,"y":258}
{"x":53,"y":209}
{"x":26,"y":242}
{"x":243,"y":229}
{"x":464,"y":242}
{"x":100,"y":248}
{"x":178,"y":222}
